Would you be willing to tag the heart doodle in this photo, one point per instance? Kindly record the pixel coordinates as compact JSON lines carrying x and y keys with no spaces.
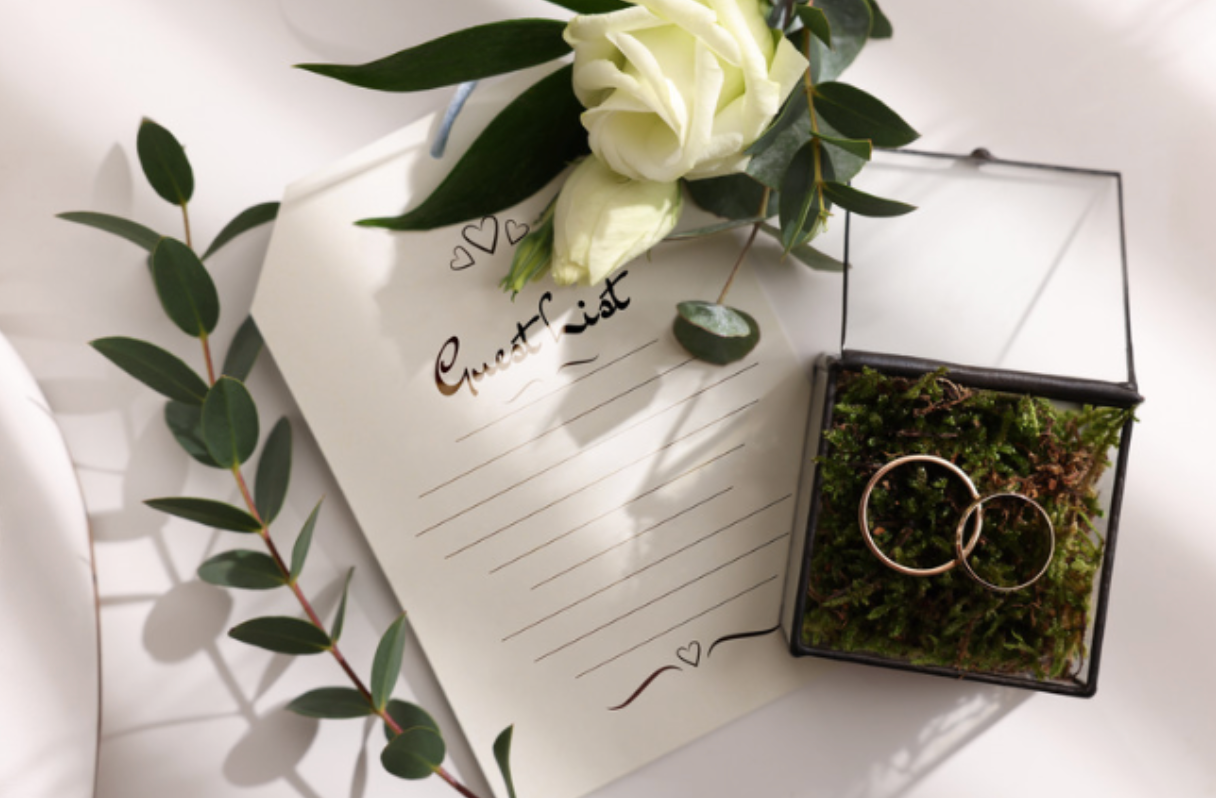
{"x":483,"y":235}
{"x":690,"y":654}
{"x":461,"y":259}
{"x":516,"y":231}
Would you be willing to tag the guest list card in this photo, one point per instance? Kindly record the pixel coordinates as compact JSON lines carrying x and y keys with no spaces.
{"x":588,"y":528}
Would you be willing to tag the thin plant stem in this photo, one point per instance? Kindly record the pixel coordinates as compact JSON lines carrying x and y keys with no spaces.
{"x":186,"y":225}
{"x":747,"y":246}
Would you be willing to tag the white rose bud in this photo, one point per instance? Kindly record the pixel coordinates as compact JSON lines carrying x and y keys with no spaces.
{"x":680,"y":88}
{"x":603,"y":220}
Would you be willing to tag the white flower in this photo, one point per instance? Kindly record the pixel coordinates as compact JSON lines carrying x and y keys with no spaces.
{"x":603,"y":220}
{"x":679,"y":88}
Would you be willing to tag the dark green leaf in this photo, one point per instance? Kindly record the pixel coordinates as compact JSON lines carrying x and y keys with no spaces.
{"x":185,"y":288}
{"x":794,"y":110}
{"x":882,"y":26}
{"x":499,"y":47}
{"x":340,"y":615}
{"x":230,"y":422}
{"x":858,"y":148}
{"x":802,"y":207}
{"x":274,"y":472}
{"x":335,"y":703}
{"x":865,"y":204}
{"x":845,"y":165}
{"x":387,"y":663}
{"x":807,"y":254}
{"x":408,"y":716}
{"x":850,"y":22}
{"x":502,"y":755}
{"x":715,"y":333}
{"x":713,"y":229}
{"x":185,"y":421}
{"x":251,"y":570}
{"x":413,"y":754}
{"x":282,"y":635}
{"x":243,"y":222}
{"x":134,"y":232}
{"x":161,"y":371}
{"x":243,"y":351}
{"x":591,"y":6}
{"x":164,"y":163}
{"x":299,"y":552}
{"x":858,"y":115}
{"x":775,"y":150}
{"x":731,"y":197}
{"x":817,"y":23}
{"x":207,"y":512}
{"x":519,"y":152}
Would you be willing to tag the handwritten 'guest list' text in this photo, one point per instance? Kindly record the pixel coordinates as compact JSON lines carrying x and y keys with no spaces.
{"x":588,"y":528}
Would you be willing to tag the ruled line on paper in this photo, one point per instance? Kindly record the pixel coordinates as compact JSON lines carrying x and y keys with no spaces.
{"x":555,"y":391}
{"x":659,"y":598}
{"x":618,"y":508}
{"x":579,"y":453}
{"x":685,"y":622}
{"x":650,"y":565}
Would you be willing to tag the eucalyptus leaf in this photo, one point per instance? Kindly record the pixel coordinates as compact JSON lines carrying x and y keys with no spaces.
{"x":134,"y":232}
{"x":386,"y":665}
{"x":340,"y":615}
{"x":274,"y":472}
{"x":775,"y":150}
{"x":498,"y":47}
{"x":591,"y":6}
{"x":164,"y":163}
{"x":845,"y":165}
{"x":731,"y":197}
{"x":715,"y":333}
{"x":185,"y":421}
{"x":251,"y":570}
{"x":817,"y":23}
{"x":243,"y":351}
{"x":528,"y":144}
{"x":161,"y":371}
{"x":502,"y":755}
{"x":807,"y":254}
{"x":858,"y":148}
{"x":713,"y":229}
{"x":803,"y":207}
{"x":230,"y":422}
{"x":335,"y":703}
{"x":244,"y":221}
{"x":283,"y":635}
{"x":882,"y":26}
{"x":408,"y":716}
{"x":858,"y":115}
{"x":207,"y":512}
{"x":413,"y":754}
{"x":299,"y":552}
{"x":864,"y":204}
{"x":850,"y":22}
{"x":185,"y":288}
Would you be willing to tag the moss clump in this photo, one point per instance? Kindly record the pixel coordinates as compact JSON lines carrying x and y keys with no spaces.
{"x":1006,"y":443}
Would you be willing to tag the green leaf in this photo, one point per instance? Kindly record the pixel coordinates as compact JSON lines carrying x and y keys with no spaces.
{"x":882,"y":26}
{"x":299,"y":552}
{"x":864,"y":204}
{"x":282,"y":635}
{"x":251,"y":570}
{"x":413,"y":754}
{"x":591,"y":6}
{"x":335,"y":703}
{"x":134,"y":232}
{"x":408,"y":716}
{"x":807,"y":254}
{"x":850,"y":22}
{"x":499,"y":47}
{"x":164,"y":163}
{"x":387,"y":663}
{"x":274,"y":472}
{"x":713,"y":229}
{"x":207,"y":512}
{"x":715,"y":333}
{"x":858,"y":115}
{"x":244,"y":221}
{"x":858,"y":148}
{"x":817,"y":23}
{"x":230,"y":422}
{"x":775,"y":150}
{"x":185,"y":288}
{"x":802,"y":209}
{"x":731,"y":197}
{"x":340,"y":615}
{"x":502,"y":755}
{"x":161,"y":371}
{"x":845,"y":165}
{"x":243,"y":351}
{"x":185,"y":421}
{"x":534,"y":254}
{"x":519,"y":152}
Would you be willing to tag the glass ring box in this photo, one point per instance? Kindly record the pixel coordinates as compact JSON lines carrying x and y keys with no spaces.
{"x":967,"y":447}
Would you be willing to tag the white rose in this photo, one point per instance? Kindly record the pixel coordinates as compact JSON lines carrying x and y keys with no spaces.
{"x":603,"y":220}
{"x":679,"y":88}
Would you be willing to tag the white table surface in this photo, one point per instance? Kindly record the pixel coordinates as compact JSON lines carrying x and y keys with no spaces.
{"x":1124,"y":85}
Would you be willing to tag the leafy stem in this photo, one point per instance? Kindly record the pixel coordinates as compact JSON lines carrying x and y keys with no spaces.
{"x":816,"y":143}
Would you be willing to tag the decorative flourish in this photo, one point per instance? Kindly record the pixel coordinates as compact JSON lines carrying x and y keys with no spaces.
{"x":644,"y":685}
{"x":740,"y":636}
{"x":578,"y":362}
{"x":690,"y":653}
{"x":461,"y":259}
{"x":483,"y":235}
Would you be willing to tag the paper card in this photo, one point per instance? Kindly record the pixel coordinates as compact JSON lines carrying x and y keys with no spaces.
{"x":588,"y":528}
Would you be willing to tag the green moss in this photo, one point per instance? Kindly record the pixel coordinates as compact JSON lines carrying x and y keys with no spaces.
{"x":1006,"y":443}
